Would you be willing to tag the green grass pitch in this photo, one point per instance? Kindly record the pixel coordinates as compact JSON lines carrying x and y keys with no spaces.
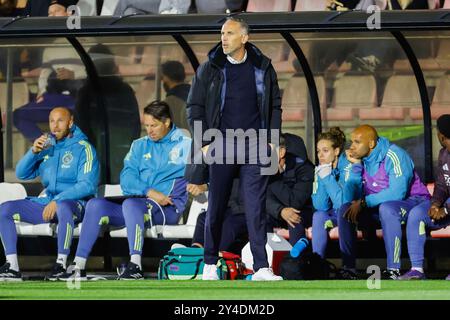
{"x":223,"y":290}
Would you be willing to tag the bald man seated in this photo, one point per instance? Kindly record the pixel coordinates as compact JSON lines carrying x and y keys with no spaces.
{"x":391,"y":188}
{"x":68,"y":169}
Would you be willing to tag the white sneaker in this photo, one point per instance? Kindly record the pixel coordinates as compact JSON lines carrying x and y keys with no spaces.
{"x":210,"y":272}
{"x":265,"y":274}
{"x":177,"y":245}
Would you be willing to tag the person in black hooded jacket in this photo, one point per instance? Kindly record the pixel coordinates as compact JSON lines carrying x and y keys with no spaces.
{"x":288,"y":202}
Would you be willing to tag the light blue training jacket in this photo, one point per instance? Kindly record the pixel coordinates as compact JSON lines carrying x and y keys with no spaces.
{"x":343,"y":185}
{"x":155,"y":164}
{"x":69,"y":170}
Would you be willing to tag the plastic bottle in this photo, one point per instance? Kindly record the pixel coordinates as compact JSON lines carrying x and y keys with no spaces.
{"x":299,"y":247}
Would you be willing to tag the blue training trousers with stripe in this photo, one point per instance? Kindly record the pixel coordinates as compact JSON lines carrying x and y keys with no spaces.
{"x":68,"y":213}
{"x":416,"y":237}
{"x":391,"y":214}
{"x":134,"y":213}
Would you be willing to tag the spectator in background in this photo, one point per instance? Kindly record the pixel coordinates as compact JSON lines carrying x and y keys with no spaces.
{"x":108,"y":7}
{"x":61,"y":76}
{"x":174,"y":6}
{"x":118,"y":99}
{"x":343,"y":5}
{"x":127,"y":7}
{"x":37,"y":8}
{"x":177,"y":91}
{"x":8,"y":8}
{"x":220,"y":6}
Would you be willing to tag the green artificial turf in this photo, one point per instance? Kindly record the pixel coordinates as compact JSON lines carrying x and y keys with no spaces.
{"x":223,"y":290}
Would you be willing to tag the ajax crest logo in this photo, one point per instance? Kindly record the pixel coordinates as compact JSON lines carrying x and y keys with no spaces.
{"x":67,"y":159}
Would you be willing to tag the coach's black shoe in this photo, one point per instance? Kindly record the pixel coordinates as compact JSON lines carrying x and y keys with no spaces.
{"x":132,"y":272}
{"x":73,"y":274}
{"x":390,"y":274}
{"x":57,"y":271}
{"x":7,"y":274}
{"x":346,"y":274}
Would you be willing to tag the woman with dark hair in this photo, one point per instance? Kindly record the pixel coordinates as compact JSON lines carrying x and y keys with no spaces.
{"x":337,"y":181}
{"x":153,"y":184}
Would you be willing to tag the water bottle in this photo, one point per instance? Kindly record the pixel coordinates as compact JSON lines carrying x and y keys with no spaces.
{"x":299,"y":247}
{"x":50,"y":142}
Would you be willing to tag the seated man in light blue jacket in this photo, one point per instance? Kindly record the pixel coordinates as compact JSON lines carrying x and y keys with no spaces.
{"x":68,"y":168}
{"x":153,"y":178}
{"x":391,"y":188}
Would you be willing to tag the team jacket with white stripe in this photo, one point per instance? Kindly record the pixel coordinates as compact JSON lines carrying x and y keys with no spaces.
{"x":69,"y":170}
{"x":155,"y":164}
{"x":343,"y":185}
{"x":398,"y":170}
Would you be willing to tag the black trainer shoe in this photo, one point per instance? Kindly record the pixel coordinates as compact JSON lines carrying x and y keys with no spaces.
{"x":7,"y":274}
{"x":132,"y":272}
{"x":346,"y":274}
{"x":389,"y":274}
{"x":57,"y":271}
{"x":73,"y":273}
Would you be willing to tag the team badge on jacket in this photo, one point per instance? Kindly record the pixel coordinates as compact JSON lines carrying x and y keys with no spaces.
{"x":67,"y":159}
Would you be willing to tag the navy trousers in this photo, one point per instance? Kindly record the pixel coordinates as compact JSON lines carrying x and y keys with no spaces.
{"x":253,"y":187}
{"x":234,"y":231}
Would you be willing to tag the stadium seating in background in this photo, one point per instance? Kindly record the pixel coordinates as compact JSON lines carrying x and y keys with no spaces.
{"x":352,"y":93}
{"x":401,"y":94}
{"x":201,"y":50}
{"x":441,"y":60}
{"x":145,"y":93}
{"x":441,"y":100}
{"x":296,"y":96}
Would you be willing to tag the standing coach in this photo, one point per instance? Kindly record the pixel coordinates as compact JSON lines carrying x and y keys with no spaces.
{"x":237,"y":89}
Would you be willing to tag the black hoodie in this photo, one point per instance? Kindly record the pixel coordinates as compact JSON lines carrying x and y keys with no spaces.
{"x":293,"y":187}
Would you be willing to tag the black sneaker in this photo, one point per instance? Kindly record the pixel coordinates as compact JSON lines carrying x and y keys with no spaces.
{"x":346,"y":274}
{"x":7,"y":274}
{"x":57,"y":271}
{"x":73,"y":273}
{"x":132,"y":272}
{"x":389,"y":274}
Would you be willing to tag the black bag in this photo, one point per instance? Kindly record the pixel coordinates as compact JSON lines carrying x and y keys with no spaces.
{"x":308,"y":266}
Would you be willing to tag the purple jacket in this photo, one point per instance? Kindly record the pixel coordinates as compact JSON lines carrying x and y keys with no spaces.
{"x":442,"y":186}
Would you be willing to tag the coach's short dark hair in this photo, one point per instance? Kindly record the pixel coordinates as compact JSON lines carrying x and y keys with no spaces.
{"x":159,"y":110}
{"x":174,"y":70}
